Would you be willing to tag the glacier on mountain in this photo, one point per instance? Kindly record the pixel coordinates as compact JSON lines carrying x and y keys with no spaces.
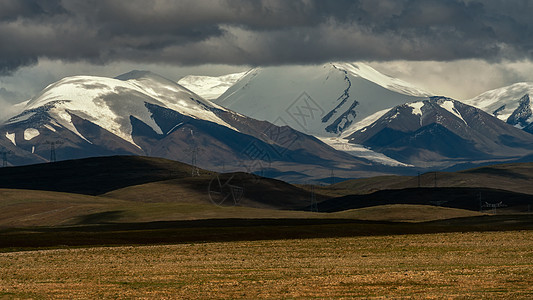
{"x":321,"y":100}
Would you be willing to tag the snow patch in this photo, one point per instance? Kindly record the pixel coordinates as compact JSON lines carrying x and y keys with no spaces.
{"x":394,"y":116}
{"x":394,"y":84}
{"x":11,"y":137}
{"x":364,"y":123}
{"x":49,"y":127}
{"x":67,"y":123}
{"x":449,"y":105}
{"x":417,"y":107}
{"x":174,"y":128}
{"x":31,"y":133}
{"x":360,"y":151}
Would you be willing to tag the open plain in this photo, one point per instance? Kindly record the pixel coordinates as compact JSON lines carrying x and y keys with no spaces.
{"x":473,"y":265}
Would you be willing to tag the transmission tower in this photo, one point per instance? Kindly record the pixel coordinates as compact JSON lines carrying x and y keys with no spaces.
{"x":194,"y":160}
{"x":53,"y":144}
{"x":194,"y":150}
{"x":5,"y":153}
{"x":314,"y":204}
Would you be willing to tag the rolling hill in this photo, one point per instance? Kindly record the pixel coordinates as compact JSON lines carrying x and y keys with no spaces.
{"x":514,"y":177}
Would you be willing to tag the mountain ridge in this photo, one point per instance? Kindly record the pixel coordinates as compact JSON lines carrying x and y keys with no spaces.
{"x":442,"y":131}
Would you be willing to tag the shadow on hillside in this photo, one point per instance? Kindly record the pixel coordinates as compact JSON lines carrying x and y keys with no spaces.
{"x":99,"y":218}
{"x":498,"y":172}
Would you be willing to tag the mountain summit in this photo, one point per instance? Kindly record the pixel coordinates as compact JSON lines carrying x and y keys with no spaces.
{"x":322,"y":100}
{"x":442,"y":132}
{"x":511,"y":104}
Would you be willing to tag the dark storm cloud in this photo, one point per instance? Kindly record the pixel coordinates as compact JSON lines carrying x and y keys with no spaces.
{"x":13,"y":9}
{"x":262,"y":32}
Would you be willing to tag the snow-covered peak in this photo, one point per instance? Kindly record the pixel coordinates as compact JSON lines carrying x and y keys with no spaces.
{"x":415,"y":108}
{"x":210,"y":87}
{"x":439,"y":130}
{"x":169,"y":92}
{"x":415,"y":114}
{"x":322,"y":100}
{"x":110,"y":103}
{"x":394,"y":84}
{"x":502,"y":102}
{"x":137,"y":74}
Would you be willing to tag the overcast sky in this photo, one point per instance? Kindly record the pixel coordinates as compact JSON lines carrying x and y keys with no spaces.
{"x":449,"y":47}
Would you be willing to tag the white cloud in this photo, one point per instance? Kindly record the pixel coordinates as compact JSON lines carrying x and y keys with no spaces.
{"x":461,"y":79}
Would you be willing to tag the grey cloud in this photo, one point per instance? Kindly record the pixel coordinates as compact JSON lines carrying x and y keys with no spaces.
{"x":7,"y":100}
{"x":8,"y":96}
{"x":461,"y":79}
{"x":262,"y":32}
{"x":14,"y":9}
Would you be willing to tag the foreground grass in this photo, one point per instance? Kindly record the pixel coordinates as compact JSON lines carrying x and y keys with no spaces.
{"x":445,"y":265}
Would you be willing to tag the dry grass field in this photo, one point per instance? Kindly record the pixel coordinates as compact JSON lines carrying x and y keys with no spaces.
{"x":474,"y":265}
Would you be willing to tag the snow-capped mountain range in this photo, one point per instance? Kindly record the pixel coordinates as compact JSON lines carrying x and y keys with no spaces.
{"x":322,"y":100}
{"x":291,"y":122}
{"x":142,"y":113}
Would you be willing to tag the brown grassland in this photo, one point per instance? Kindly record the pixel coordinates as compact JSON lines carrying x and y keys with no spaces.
{"x":443,"y":265}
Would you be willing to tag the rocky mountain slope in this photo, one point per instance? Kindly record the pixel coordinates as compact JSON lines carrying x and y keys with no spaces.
{"x":441,"y":132}
{"x":510,"y":104}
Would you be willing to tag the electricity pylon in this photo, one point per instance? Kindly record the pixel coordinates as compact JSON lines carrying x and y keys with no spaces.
{"x":5,"y":153}
{"x":53,"y":144}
